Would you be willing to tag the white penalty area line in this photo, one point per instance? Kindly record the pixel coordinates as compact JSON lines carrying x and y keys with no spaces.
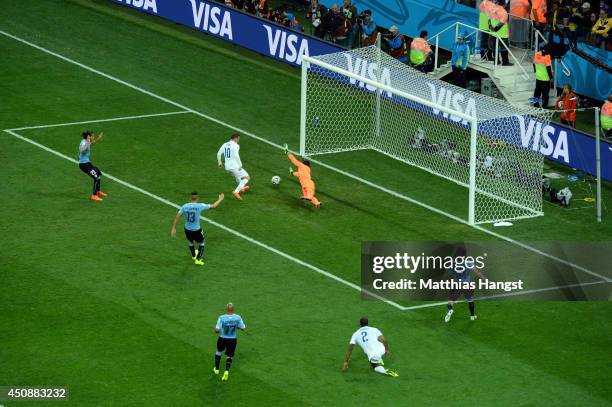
{"x":514,"y":294}
{"x":216,"y":224}
{"x":112,"y":119}
{"x":329,"y":167}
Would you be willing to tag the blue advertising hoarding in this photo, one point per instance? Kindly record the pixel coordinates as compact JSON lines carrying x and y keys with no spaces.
{"x":569,"y":147}
{"x":586,"y":78}
{"x":239,"y":28}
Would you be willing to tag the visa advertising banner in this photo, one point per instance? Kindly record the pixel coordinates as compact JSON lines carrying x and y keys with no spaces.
{"x":239,"y":28}
{"x":566,"y":146}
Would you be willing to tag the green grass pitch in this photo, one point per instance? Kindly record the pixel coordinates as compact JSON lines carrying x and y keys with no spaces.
{"x":100,"y":297}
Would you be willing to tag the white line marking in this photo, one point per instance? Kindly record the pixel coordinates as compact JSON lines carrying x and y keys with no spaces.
{"x":113,"y":119}
{"x":217,"y":224}
{"x":517,"y":293}
{"x":329,"y":167}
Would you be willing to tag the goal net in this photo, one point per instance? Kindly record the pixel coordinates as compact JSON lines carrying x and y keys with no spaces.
{"x":365,"y":99}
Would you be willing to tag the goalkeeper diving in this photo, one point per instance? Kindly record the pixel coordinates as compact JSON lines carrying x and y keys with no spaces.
{"x":302,"y":172}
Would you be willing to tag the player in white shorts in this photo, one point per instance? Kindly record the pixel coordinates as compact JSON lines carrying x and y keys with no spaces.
{"x":230,"y":152}
{"x":374,"y":345}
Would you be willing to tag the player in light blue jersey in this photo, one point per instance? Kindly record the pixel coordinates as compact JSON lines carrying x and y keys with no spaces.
{"x":87,"y":167}
{"x":193,"y":231}
{"x":227,"y":327}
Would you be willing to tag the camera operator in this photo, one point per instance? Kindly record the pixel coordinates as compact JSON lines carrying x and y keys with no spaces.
{"x":397,"y":44}
{"x":368,"y":27}
{"x":315,"y":13}
{"x":289,"y":20}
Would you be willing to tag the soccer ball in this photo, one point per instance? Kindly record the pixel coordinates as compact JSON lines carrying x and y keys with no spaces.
{"x":275,"y":180}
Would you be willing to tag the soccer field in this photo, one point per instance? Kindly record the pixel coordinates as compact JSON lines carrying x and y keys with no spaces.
{"x":99,"y":297}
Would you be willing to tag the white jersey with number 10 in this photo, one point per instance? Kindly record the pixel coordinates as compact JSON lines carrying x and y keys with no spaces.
{"x":230,"y":153}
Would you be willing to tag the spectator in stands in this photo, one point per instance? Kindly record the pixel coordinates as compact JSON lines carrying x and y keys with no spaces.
{"x":397,"y":44}
{"x":605,"y":117}
{"x":368,"y":27}
{"x":538,"y":14}
{"x":567,"y":103}
{"x":544,"y":75}
{"x":576,"y":21}
{"x":420,"y":53}
{"x":554,"y":17}
{"x":350,"y":13}
{"x":585,"y":24}
{"x":315,"y":13}
{"x":338,"y":26}
{"x":601,"y":29}
{"x":262,"y":8}
{"x":498,"y":26}
{"x":460,"y":59}
{"x":483,"y":23}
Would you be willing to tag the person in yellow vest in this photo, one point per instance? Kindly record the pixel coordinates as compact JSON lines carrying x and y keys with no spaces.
{"x":519,"y":23}
{"x":538,"y":14}
{"x":543,"y":74}
{"x":498,"y":26}
{"x":420,"y":53}
{"x":483,"y":23}
{"x":605,"y":117}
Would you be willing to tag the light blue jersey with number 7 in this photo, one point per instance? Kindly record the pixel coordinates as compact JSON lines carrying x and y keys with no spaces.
{"x":228,"y":325}
{"x":192,"y":212}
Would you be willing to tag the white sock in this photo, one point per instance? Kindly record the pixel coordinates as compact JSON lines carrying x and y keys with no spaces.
{"x":241,"y":184}
{"x":380,"y":369}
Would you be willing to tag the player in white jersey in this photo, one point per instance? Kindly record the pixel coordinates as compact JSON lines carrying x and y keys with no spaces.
{"x":374,"y":345}
{"x":230,"y":152}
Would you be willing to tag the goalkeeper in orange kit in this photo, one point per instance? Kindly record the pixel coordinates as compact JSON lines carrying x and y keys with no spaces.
{"x":302,"y":172}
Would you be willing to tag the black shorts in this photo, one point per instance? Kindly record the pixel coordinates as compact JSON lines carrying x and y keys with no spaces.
{"x":89,"y":169}
{"x":194,"y":235}
{"x":227,"y":345}
{"x":455,"y":294}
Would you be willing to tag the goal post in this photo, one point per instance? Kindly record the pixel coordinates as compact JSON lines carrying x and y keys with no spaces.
{"x":364,"y":99}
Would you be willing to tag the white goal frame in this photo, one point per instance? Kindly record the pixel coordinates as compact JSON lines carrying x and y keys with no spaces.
{"x":380,"y":87}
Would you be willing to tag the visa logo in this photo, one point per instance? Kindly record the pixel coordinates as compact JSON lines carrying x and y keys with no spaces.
{"x":210,"y":19}
{"x":146,"y":5}
{"x":285,"y":45}
{"x":370,"y":70}
{"x":546,"y":139}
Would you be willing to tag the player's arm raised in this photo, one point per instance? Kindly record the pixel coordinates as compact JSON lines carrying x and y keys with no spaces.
{"x":218,"y":201}
{"x":382,"y":340}
{"x":176,"y":219}
{"x":347,"y":356}
{"x":94,"y":140}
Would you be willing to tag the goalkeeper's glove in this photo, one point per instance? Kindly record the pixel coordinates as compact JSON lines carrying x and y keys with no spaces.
{"x":290,"y":171}
{"x":286,"y":148}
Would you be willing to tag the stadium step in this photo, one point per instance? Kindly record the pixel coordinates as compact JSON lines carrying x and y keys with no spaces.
{"x":515,"y":83}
